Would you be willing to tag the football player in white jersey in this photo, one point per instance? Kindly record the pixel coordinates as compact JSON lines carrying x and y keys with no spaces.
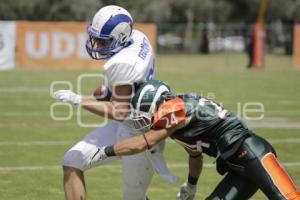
{"x":130,"y":61}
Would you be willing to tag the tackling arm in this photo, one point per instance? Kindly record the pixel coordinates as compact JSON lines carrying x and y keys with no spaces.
{"x":140,"y":143}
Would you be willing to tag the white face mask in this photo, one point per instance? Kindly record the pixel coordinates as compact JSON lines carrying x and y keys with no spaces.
{"x":140,"y":121}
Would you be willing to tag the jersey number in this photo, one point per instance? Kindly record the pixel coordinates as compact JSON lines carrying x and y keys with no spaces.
{"x":170,"y":120}
{"x":220,"y":111}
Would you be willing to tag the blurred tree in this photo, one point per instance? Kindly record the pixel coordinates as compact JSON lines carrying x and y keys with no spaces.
{"x":281,"y":9}
{"x":160,"y":11}
{"x":244,"y":10}
{"x":55,"y":10}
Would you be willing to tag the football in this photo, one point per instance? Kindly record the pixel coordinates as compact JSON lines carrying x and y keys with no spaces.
{"x":101,"y":94}
{"x":97,"y":92}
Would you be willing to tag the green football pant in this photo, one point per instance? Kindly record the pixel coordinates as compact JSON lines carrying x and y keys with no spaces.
{"x":254,"y":167}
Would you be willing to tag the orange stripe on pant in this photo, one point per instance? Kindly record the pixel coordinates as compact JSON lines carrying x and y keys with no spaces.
{"x":280,"y":177}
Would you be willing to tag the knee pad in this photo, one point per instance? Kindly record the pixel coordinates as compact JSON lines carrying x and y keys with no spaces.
{"x":74,"y":158}
{"x":80,"y":156}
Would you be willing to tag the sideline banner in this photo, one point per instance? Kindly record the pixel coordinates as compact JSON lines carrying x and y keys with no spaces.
{"x":7,"y":44}
{"x":60,"y":45}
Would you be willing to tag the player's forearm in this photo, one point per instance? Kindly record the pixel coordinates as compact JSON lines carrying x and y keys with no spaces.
{"x":130,"y":146}
{"x":101,"y":108}
{"x":140,"y":143}
{"x":137,"y":143}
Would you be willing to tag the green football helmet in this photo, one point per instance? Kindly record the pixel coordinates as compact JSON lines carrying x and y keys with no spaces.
{"x":148,"y":96}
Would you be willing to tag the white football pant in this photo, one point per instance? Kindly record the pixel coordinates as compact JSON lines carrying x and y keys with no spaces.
{"x":137,"y":169}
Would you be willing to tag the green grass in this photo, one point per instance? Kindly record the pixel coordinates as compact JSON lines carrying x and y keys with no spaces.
{"x":24,"y":117}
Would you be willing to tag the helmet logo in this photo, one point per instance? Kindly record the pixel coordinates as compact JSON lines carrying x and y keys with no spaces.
{"x":144,"y":90}
{"x":161,"y":89}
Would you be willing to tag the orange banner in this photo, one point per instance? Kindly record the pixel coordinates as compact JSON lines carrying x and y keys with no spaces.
{"x":60,"y":45}
{"x":296,"y":45}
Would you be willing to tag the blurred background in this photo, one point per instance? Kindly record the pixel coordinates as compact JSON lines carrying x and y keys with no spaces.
{"x":244,"y":54}
{"x":191,"y":26}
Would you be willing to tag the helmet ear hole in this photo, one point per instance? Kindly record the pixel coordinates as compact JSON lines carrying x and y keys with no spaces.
{"x":123,"y":38}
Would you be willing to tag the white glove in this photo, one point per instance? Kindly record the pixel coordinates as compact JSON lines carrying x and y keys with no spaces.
{"x":187,"y":192}
{"x":99,"y":155}
{"x":68,"y":96}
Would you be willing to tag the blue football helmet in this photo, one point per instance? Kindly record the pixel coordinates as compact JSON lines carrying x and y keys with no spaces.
{"x":109,"y":32}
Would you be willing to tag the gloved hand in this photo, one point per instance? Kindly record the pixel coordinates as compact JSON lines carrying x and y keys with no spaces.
{"x":187,"y":192}
{"x":99,"y":155}
{"x":68,"y":96}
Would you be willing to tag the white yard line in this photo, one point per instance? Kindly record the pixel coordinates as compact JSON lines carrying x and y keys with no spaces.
{"x":284,"y":140}
{"x":273,"y":124}
{"x":36,"y":143}
{"x":37,"y":113}
{"x":62,"y":124}
{"x":25,"y":90}
{"x":269,"y":125}
{"x":57,"y":167}
{"x":69,"y":142}
{"x":23,"y":114}
{"x":271,"y":140}
{"x":267,"y":122}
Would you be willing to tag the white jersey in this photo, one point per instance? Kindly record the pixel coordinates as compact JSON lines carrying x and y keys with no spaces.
{"x":133,"y":64}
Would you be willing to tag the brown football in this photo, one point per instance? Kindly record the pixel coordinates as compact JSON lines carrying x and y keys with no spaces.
{"x":98,"y":92}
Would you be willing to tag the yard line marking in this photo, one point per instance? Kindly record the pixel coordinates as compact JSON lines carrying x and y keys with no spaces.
{"x":40,"y":143}
{"x":284,"y":140}
{"x":37,"y":113}
{"x":34,"y":125}
{"x":69,"y":142}
{"x":273,"y":122}
{"x":271,"y":140}
{"x":265,"y":123}
{"x":25,"y":90}
{"x":171,"y":166}
{"x":22,"y":114}
{"x":292,"y":125}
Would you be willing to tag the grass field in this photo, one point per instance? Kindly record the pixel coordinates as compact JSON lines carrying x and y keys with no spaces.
{"x":32,"y":143}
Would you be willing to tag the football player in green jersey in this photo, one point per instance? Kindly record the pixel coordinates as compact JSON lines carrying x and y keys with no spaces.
{"x":203,"y":126}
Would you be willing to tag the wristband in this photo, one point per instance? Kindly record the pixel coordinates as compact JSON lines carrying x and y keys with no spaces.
{"x":195,"y":156}
{"x":192,"y":180}
{"x":109,"y":151}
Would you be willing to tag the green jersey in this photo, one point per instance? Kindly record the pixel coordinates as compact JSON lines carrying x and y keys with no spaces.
{"x":212,"y":129}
